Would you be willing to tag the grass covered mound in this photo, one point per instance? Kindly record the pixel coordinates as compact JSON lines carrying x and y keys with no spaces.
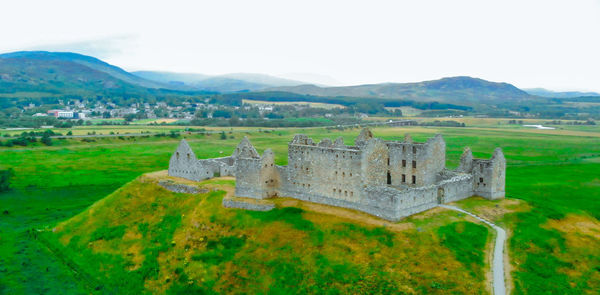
{"x":143,"y":238}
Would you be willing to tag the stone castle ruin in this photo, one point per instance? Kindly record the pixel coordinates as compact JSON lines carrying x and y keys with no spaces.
{"x":388,"y":179}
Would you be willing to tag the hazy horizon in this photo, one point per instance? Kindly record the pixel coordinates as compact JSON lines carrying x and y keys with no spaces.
{"x":537,"y":44}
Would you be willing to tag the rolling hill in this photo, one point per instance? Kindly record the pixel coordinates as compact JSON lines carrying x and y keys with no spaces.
{"x":460,"y":90}
{"x":41,"y":73}
{"x":221,"y":83}
{"x":559,"y":94}
{"x":146,"y":239}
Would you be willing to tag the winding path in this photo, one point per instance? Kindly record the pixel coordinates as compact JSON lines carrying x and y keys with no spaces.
{"x":498,"y":261}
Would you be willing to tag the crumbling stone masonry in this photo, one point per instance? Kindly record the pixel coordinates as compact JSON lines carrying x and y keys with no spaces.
{"x":388,"y":179}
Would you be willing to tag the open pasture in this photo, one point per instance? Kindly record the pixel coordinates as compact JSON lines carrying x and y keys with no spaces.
{"x":555,"y":173}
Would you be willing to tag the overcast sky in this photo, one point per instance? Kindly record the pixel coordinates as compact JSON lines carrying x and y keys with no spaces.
{"x":550,"y":44}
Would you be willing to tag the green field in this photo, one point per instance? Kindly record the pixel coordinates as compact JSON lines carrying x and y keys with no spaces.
{"x":554,"y":241}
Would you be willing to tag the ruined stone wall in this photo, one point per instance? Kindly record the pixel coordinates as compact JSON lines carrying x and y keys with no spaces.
{"x":489,"y":176}
{"x":423,"y":161}
{"x":374,"y":164}
{"x":183,"y":163}
{"x":402,"y":156}
{"x":456,"y":188}
{"x":325,"y":170}
{"x":247,"y":182}
{"x":374,"y":176}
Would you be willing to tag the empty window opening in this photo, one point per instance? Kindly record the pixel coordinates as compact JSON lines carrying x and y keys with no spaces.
{"x":389,"y":178}
{"x":414,"y":149}
{"x":188,"y":157}
{"x":414,"y":164}
{"x":346,"y":193}
{"x":403,"y":178}
{"x":334,"y":190}
{"x":414,"y":179}
{"x":480,"y":179}
{"x":388,"y":160}
{"x":343,"y":174}
{"x":403,"y":163}
{"x":350,"y":174}
{"x":404,"y":149}
{"x":351,"y":194}
{"x":177,"y":154}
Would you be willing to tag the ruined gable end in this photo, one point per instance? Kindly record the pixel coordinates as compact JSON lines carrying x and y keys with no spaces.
{"x":466,"y":161}
{"x":183,"y":162}
{"x":498,"y":156}
{"x":363,"y":137}
{"x":245,"y":150}
{"x":183,"y":153}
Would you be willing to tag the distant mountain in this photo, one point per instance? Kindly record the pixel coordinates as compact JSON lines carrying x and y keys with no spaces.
{"x":45,"y":57}
{"x":462,"y":90}
{"x":40,"y":73}
{"x":558,"y":94}
{"x":221,"y":83}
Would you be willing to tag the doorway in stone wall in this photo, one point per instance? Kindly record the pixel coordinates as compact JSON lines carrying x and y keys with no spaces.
{"x":440,"y":196}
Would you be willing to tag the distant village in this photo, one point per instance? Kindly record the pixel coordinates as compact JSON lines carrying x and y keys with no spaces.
{"x":203,"y":112}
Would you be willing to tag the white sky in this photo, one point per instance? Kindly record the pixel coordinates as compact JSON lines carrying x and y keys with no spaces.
{"x":550,"y":44}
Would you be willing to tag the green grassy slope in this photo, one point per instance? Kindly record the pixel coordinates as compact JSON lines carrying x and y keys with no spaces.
{"x":144,"y":238}
{"x":554,"y":248}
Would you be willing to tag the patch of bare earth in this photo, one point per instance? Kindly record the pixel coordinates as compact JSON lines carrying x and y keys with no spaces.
{"x":349,"y":214}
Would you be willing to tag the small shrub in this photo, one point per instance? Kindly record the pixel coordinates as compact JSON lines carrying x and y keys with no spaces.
{"x":108,"y":233}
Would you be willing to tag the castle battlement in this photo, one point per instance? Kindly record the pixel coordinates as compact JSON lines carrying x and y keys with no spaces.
{"x":389,"y":179}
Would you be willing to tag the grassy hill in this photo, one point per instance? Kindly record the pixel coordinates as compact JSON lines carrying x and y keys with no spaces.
{"x":41,"y":73}
{"x":463,"y":90}
{"x":553,"y":238}
{"x":143,"y":238}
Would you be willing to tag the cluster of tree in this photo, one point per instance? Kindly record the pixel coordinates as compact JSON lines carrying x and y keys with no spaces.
{"x":235,"y":99}
{"x":274,"y":123}
{"x":559,"y":122}
{"x":20,"y":120}
{"x":26,"y":138}
{"x":443,"y":124}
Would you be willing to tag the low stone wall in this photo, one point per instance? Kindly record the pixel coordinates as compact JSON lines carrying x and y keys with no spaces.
{"x":181,"y":188}
{"x":457,"y":188}
{"x":240,"y":203}
{"x":385,"y":213}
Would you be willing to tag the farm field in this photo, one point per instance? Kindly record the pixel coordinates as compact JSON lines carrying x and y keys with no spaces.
{"x":553,"y":183}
